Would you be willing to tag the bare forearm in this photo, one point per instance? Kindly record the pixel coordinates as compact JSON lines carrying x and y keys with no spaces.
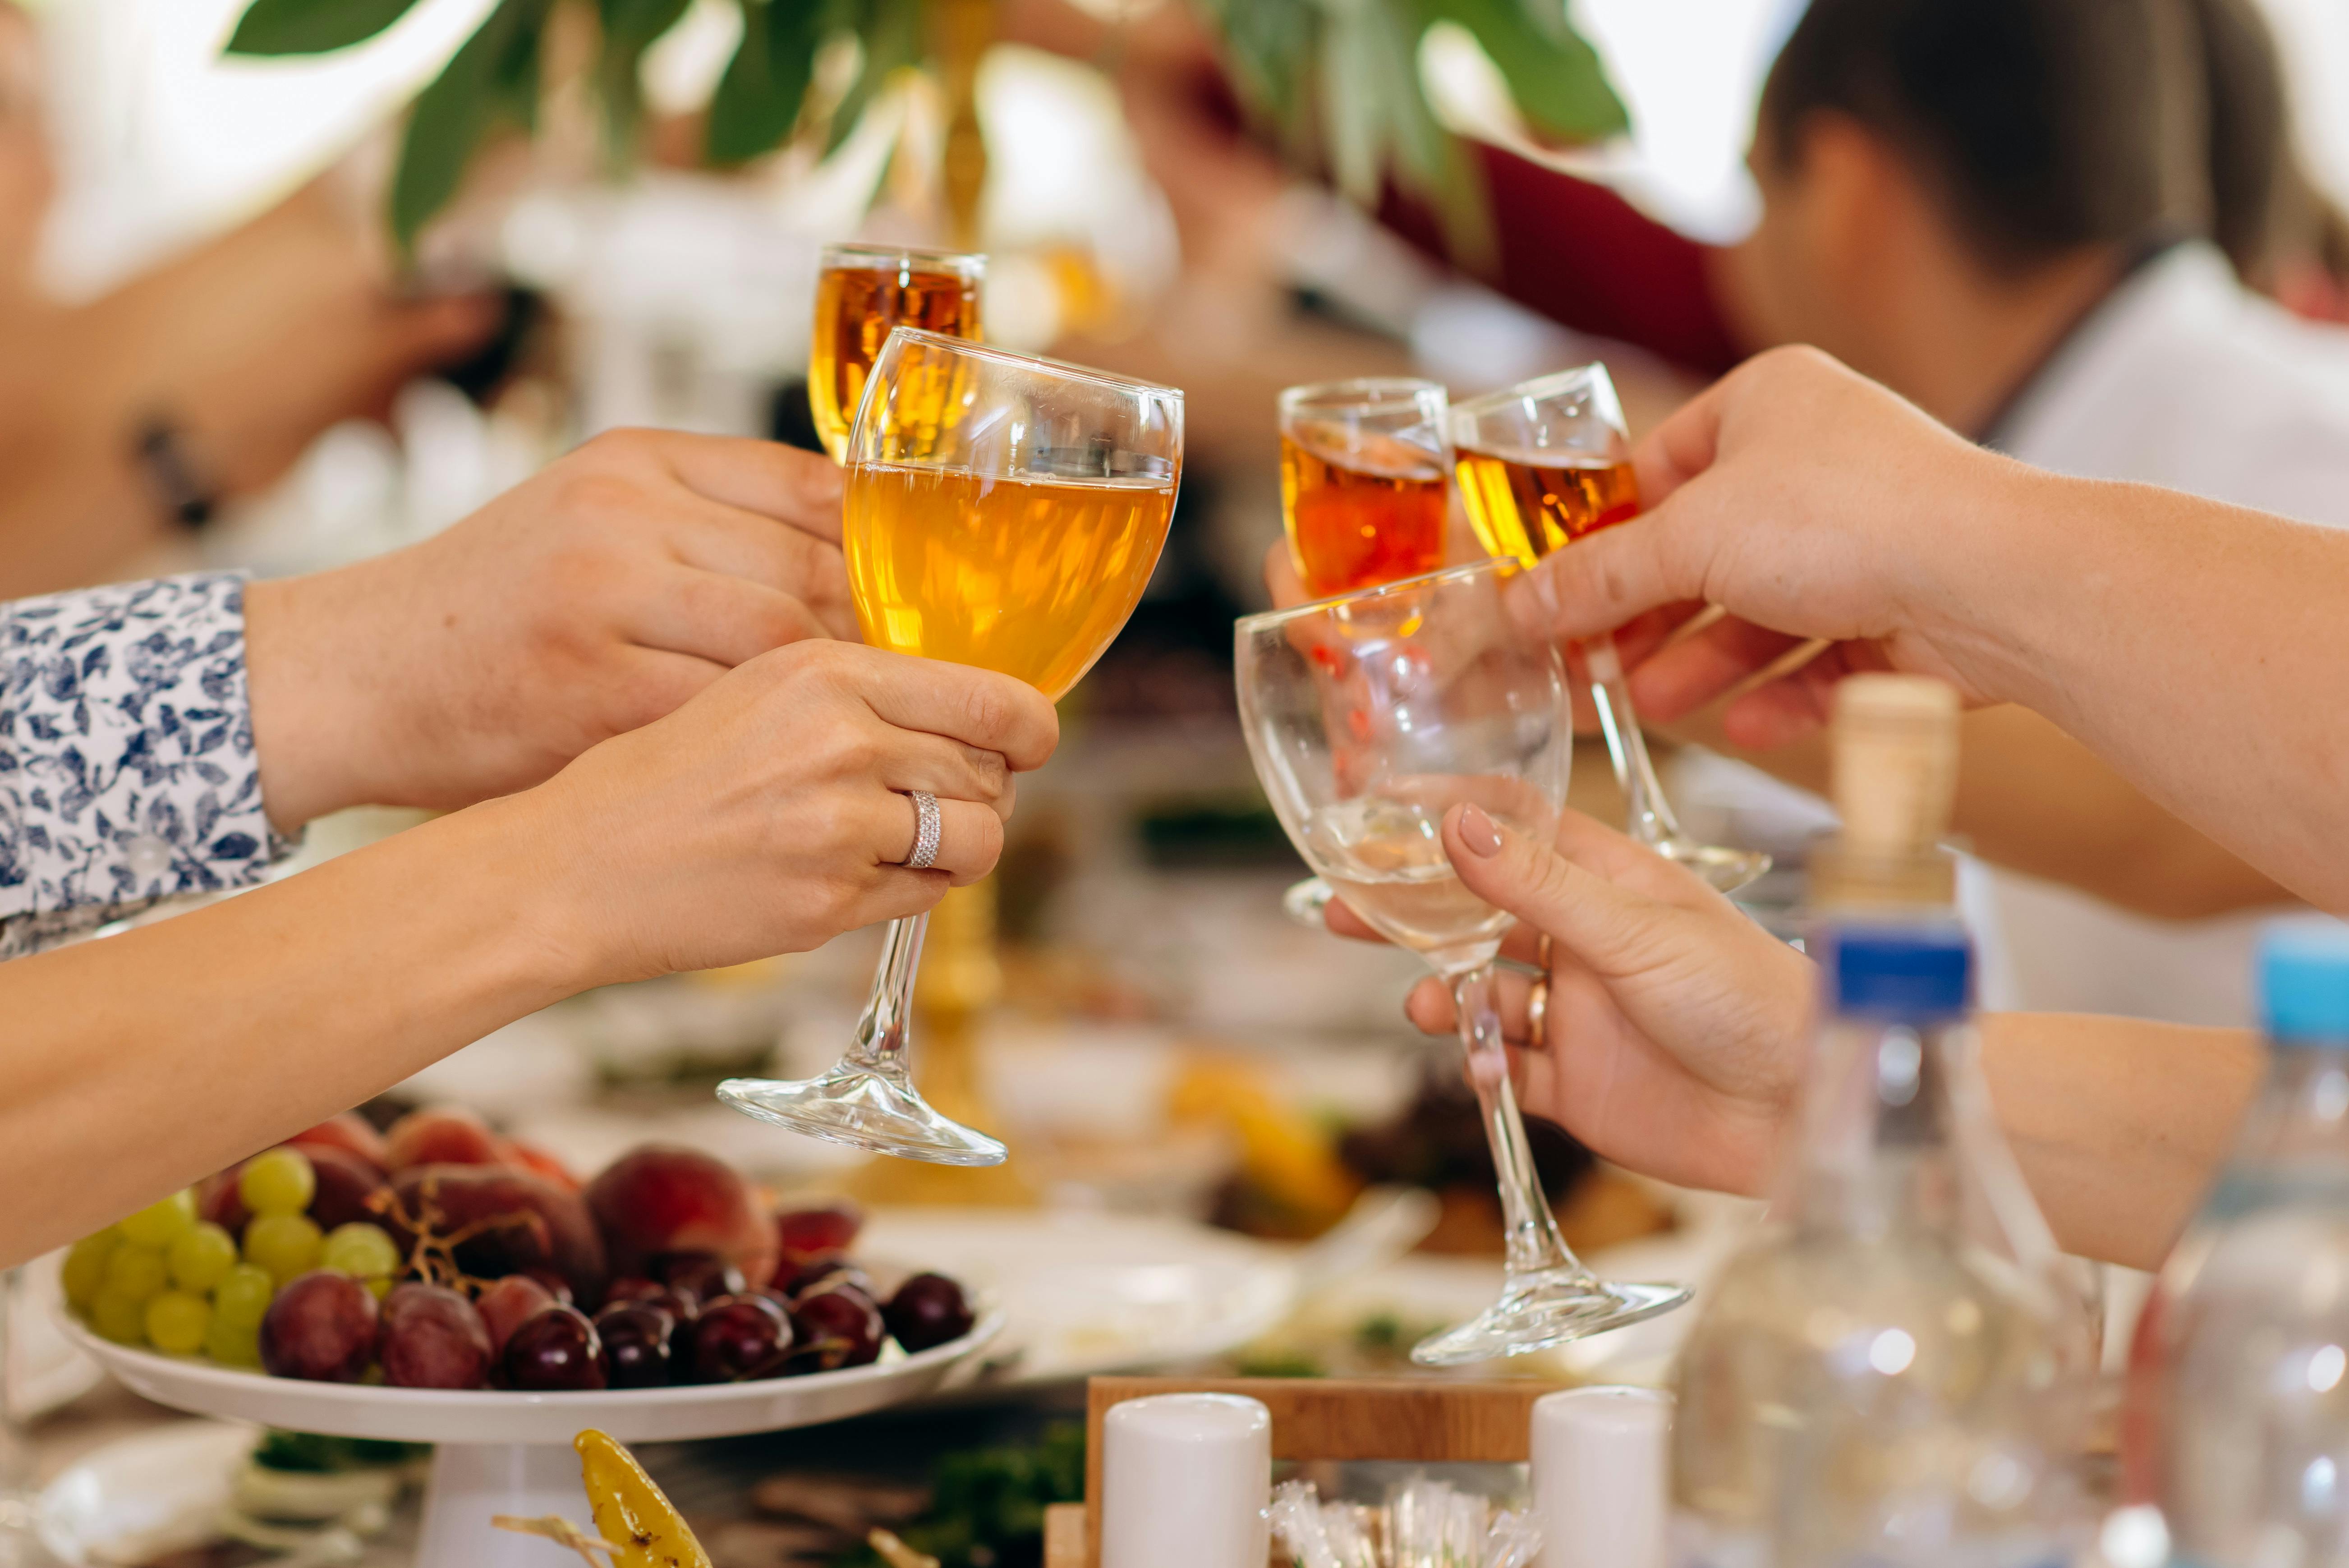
{"x":2118,"y":1124}
{"x":137,"y":1064}
{"x":2032,"y":799}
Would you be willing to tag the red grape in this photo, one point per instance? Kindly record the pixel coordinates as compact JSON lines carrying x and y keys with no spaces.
{"x":819,"y":1227}
{"x":635,"y":1345}
{"x":346,"y":1183}
{"x":321,"y":1327}
{"x":927,"y":1310}
{"x":432,"y":1338}
{"x":738,"y":1338}
{"x":835,"y":1327}
{"x":506,"y":1304}
{"x":557,"y":1349}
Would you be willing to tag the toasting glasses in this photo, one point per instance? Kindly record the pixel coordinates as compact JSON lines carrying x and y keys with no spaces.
{"x":1368,"y":718}
{"x":863,"y":293}
{"x":1362,"y":487}
{"x":1541,"y":465}
{"x":1002,"y":511}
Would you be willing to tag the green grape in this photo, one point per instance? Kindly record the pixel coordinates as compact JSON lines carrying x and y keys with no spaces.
{"x":362,"y":1251}
{"x":135,"y":1273}
{"x":277,"y":1182}
{"x":202,"y":1258}
{"x":119,"y":1317}
{"x":177,"y":1322}
{"x":85,"y":1266}
{"x":381,"y":1287}
{"x":233,"y":1343}
{"x":243,"y":1297}
{"x":158,"y":1223}
{"x":285,"y":1244}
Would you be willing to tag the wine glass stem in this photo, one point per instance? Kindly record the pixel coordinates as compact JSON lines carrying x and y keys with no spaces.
{"x":885,"y":1033}
{"x":1535,"y":1244}
{"x":1652,"y":819}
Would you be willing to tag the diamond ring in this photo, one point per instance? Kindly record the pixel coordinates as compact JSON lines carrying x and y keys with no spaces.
{"x":926,"y":830}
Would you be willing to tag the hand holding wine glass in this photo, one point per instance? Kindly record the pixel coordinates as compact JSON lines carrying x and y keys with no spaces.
{"x":1371,"y":720}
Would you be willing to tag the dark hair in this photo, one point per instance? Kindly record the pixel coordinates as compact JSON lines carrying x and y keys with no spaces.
{"x":2043,"y":125}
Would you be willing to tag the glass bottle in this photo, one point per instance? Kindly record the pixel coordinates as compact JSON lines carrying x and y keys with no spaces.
{"x":2248,"y":1397}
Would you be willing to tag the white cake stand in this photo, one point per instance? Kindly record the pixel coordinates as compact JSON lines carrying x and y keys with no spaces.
{"x":501,"y":1452}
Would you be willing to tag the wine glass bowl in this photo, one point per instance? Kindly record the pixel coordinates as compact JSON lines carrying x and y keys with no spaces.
{"x":1363,"y":490}
{"x":1006,"y":512}
{"x":1541,"y":465}
{"x":1369,"y":718}
{"x":863,"y":292}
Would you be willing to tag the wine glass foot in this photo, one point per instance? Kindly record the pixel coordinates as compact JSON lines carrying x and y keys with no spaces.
{"x":1538,"y":1311}
{"x":864,"y":1109}
{"x":1725,"y":870}
{"x":1305,"y":901}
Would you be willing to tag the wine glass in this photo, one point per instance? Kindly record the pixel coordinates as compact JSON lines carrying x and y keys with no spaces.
{"x":1540,"y":465}
{"x":861,"y":292}
{"x":1368,"y":718}
{"x":1364,"y":501}
{"x":1002,"y":511}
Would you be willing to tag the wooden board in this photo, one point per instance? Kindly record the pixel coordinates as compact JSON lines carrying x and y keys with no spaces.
{"x":1416,"y":1420}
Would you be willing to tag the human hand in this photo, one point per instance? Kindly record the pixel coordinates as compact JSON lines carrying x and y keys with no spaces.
{"x":767,"y":816}
{"x":586,"y":601}
{"x":1808,"y":503}
{"x":254,"y":343}
{"x":1676,"y":1029}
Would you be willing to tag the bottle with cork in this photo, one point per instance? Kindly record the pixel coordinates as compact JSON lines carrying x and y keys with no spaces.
{"x":1890,"y":1372}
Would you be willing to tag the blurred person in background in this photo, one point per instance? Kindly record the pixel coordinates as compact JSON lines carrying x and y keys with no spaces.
{"x":617,"y":680}
{"x":126,"y":420}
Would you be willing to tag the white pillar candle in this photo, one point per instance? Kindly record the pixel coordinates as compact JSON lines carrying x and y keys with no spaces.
{"x":1186,"y":1479}
{"x":1598,"y":1476}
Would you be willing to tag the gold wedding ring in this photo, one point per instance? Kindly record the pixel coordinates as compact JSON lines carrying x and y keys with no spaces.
{"x":1537,"y":997}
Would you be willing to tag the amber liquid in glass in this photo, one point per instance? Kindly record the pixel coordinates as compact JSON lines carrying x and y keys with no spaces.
{"x":855,"y":306}
{"x":1524,"y":508}
{"x":1030,"y":577}
{"x":1373,"y":514}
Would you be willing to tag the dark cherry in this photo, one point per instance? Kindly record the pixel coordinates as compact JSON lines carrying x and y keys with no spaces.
{"x":797,"y":1276}
{"x":630,"y":1288}
{"x":556,"y":1284}
{"x":738,"y":1338}
{"x":819,"y":1227}
{"x":837,"y":1327}
{"x":703,"y":1276}
{"x":635,"y":1345}
{"x":557,"y":1349}
{"x":927,"y":1310}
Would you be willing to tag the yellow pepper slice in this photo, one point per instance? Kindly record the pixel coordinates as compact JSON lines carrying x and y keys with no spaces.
{"x":630,"y":1511}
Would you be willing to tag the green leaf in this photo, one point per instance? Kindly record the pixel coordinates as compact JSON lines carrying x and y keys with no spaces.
{"x":312,"y":26}
{"x":891,"y":31}
{"x":492,"y":80}
{"x":758,"y":100}
{"x":1558,"y":80}
{"x":629,"y":28}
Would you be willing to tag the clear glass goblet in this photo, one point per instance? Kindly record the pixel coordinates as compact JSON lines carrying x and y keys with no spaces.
{"x":1369,"y":717}
{"x":1006,"y":512}
{"x":1540,"y":465}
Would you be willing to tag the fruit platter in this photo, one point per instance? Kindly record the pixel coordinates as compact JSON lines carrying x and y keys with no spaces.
{"x":437,"y":1283}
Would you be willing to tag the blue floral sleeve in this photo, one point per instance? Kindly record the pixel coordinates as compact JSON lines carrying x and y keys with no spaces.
{"x":127,"y":770}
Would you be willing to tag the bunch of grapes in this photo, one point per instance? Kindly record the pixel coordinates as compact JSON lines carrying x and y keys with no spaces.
{"x":167,"y":1278}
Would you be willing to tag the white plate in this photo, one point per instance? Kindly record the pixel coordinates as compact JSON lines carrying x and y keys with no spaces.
{"x":1092,"y":1294}
{"x":148,"y":1494}
{"x":499,"y":1417}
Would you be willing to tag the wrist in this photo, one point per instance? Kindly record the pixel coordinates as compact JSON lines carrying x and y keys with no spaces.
{"x":310,"y":725}
{"x":552,"y":872}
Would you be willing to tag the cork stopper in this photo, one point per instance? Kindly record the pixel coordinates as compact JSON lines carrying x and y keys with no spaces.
{"x":1894,"y":779}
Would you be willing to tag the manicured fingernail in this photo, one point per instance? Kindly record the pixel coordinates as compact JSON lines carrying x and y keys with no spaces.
{"x":1478,"y":833}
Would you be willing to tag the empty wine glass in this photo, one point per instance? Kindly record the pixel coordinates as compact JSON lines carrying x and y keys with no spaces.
{"x":1541,"y":465}
{"x":1006,"y":512}
{"x":1368,"y":718}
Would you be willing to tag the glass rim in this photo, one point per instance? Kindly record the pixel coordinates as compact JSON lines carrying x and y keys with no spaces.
{"x":959,"y":260}
{"x":1027,"y":362}
{"x":1538,"y":388}
{"x":1368,"y":394}
{"x":1249,"y":624}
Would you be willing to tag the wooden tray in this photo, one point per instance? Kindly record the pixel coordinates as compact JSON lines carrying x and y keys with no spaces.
{"x":1415,"y":1421}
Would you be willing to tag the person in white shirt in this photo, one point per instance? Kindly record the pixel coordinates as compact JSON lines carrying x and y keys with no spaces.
{"x":1993,"y":208}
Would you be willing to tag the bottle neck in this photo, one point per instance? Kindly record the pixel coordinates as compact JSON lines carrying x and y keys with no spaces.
{"x":1881,"y":1150}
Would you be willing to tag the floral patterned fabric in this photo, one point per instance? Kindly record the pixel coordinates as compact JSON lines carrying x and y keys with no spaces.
{"x":127,"y":770}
